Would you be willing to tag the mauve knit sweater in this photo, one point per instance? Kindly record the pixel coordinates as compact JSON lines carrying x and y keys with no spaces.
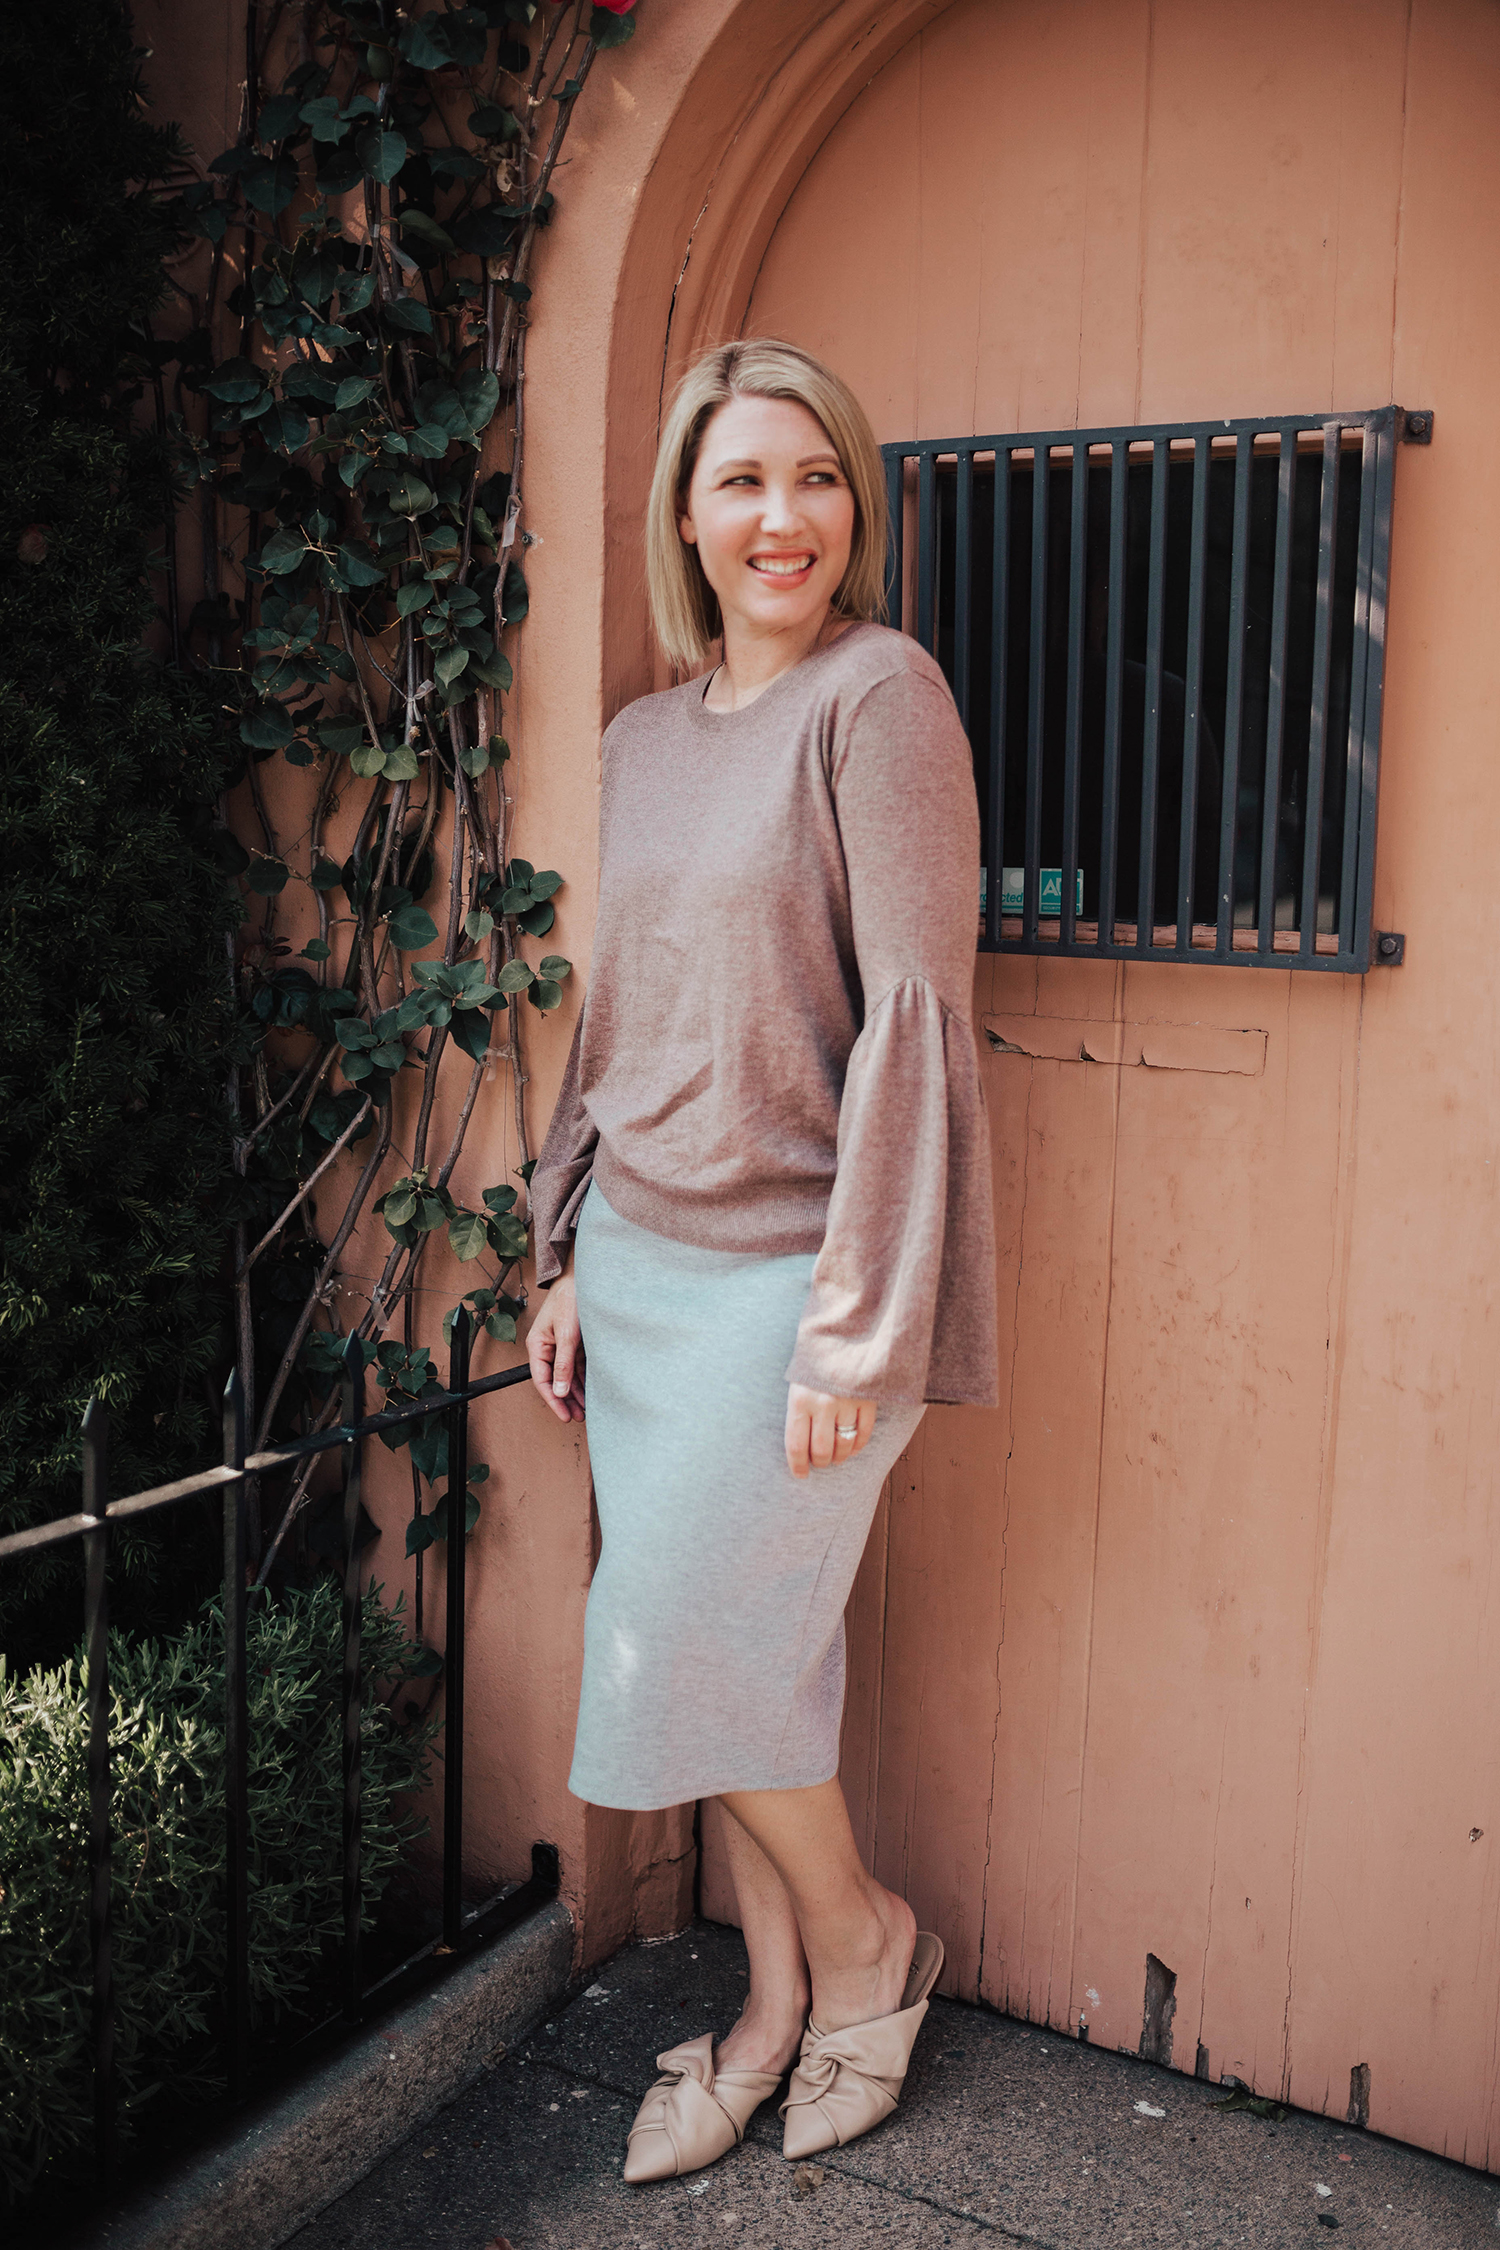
{"x":776,"y":1052}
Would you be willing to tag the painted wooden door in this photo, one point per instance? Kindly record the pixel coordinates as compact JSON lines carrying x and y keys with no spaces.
{"x":1173,"y":1685}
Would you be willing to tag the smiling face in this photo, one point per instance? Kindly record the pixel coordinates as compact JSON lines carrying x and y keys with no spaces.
{"x":771,"y":514}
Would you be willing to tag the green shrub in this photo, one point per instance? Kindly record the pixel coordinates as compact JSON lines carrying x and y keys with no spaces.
{"x":167,"y":1737}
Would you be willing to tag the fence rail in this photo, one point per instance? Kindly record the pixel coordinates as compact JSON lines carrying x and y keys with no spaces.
{"x":461,"y":1931}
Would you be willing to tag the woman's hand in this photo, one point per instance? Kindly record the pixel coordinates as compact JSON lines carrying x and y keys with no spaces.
{"x":554,"y":1346}
{"x":817,"y":1427}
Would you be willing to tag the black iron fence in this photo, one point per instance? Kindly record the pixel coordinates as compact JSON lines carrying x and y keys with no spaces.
{"x":1167,"y":644}
{"x":461,"y":1930}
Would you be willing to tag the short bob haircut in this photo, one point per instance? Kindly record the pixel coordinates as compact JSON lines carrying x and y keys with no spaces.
{"x":684,"y":607}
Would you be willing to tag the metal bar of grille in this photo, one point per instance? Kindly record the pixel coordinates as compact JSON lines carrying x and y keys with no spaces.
{"x":1276,"y":710}
{"x":1234,"y":695}
{"x":963,"y":573}
{"x":895,"y":497}
{"x":999,"y":690}
{"x":1317,"y":733}
{"x":453,"y":1653}
{"x":1161,"y":458}
{"x":1109,"y":823}
{"x":1358,"y":691}
{"x":96,"y":1636}
{"x":236,"y":1750}
{"x":1192,"y":718}
{"x":1073,"y":733}
{"x":1380,"y":560}
{"x":1036,"y":691}
{"x":927,"y":551}
{"x":353,"y":1403}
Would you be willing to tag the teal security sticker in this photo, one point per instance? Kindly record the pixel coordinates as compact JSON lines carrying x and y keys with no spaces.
{"x":1013,"y":891}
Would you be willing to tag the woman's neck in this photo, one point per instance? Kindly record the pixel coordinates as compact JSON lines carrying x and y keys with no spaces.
{"x":751,"y":661}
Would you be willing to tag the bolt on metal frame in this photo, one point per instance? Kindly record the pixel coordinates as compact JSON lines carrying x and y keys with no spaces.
{"x":913,"y":586}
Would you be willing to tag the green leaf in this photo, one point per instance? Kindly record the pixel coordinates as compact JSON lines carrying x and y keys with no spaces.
{"x":401,"y":763}
{"x":353,"y":1033}
{"x":479,"y":395}
{"x":357,"y":566}
{"x":516,"y":600}
{"x":367,"y":759}
{"x":545,"y":882}
{"x":488,"y":232}
{"x":478,"y":924}
{"x":538,"y":920}
{"x":609,"y":30}
{"x":467,"y":1235}
{"x":284,"y":551}
{"x":499,"y":1200}
{"x":339,"y":737}
{"x":409,"y":314}
{"x":419,"y":1535}
{"x":353,"y":391}
{"x":269,"y":728}
{"x":411,"y":926}
{"x":399,"y":1208}
{"x":425,"y":229}
{"x":380,"y":154}
{"x":277,"y":118}
{"x":470,"y":1030}
{"x":409,"y":599}
{"x":268,"y":876}
{"x":553,"y":965}
{"x":268,"y":185}
{"x":545,"y":993}
{"x":355,"y":292}
{"x":515,"y":976}
{"x":325,"y":876}
{"x":236,"y":382}
{"x":409,"y":496}
{"x":316,"y":949}
{"x":449,"y":663}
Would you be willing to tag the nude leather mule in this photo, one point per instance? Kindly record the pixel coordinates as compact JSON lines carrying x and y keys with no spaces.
{"x":694,"y":2114}
{"x":847,"y":2081}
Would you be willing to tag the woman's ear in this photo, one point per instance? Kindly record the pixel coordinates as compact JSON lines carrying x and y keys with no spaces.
{"x":686,"y":529}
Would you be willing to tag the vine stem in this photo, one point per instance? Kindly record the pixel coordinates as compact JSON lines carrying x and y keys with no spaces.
{"x":309,"y":1184}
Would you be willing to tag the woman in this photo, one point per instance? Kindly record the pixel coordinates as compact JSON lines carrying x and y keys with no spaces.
{"x":769,"y":1161}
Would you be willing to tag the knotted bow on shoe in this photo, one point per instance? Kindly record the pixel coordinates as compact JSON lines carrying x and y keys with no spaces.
{"x":693,"y":2115}
{"x":847,"y":2081}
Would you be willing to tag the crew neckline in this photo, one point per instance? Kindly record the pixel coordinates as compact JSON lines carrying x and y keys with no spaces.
{"x":696,"y":690}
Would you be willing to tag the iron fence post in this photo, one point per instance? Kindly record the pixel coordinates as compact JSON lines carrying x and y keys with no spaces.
{"x":352,"y":1407}
{"x":236,"y":1750}
{"x":453,"y":1653}
{"x":96,"y":1633}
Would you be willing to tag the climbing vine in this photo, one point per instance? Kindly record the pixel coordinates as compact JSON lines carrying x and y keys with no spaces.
{"x":357,"y":461}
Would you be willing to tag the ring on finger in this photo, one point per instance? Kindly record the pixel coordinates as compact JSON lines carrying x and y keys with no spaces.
{"x":840,"y":1431}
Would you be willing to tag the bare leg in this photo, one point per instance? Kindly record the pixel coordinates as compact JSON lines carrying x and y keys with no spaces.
{"x":769,"y":2029}
{"x":857,"y":1936}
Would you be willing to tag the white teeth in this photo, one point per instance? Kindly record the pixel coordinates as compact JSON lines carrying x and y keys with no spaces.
{"x":786,"y":567}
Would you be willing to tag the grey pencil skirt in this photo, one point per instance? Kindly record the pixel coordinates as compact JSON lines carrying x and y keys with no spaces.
{"x":713,"y":1654}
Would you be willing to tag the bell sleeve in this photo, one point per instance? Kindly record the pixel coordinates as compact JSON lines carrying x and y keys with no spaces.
{"x":902,"y":1302}
{"x":563,"y":1170}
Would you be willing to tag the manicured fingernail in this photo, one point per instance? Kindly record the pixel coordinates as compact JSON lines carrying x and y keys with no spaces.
{"x":562,"y":1389}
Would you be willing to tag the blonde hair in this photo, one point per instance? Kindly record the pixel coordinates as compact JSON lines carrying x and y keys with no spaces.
{"x":684,"y":607}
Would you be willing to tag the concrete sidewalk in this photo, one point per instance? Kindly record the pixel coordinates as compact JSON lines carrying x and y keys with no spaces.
{"x":1004,"y":2133}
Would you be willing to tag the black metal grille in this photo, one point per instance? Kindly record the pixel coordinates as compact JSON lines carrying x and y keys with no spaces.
{"x":1167,"y":646}
{"x":462,"y":1929}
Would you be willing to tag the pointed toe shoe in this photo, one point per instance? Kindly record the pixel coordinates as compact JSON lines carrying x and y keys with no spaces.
{"x":694,"y":2114}
{"x":848,"y":2081}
